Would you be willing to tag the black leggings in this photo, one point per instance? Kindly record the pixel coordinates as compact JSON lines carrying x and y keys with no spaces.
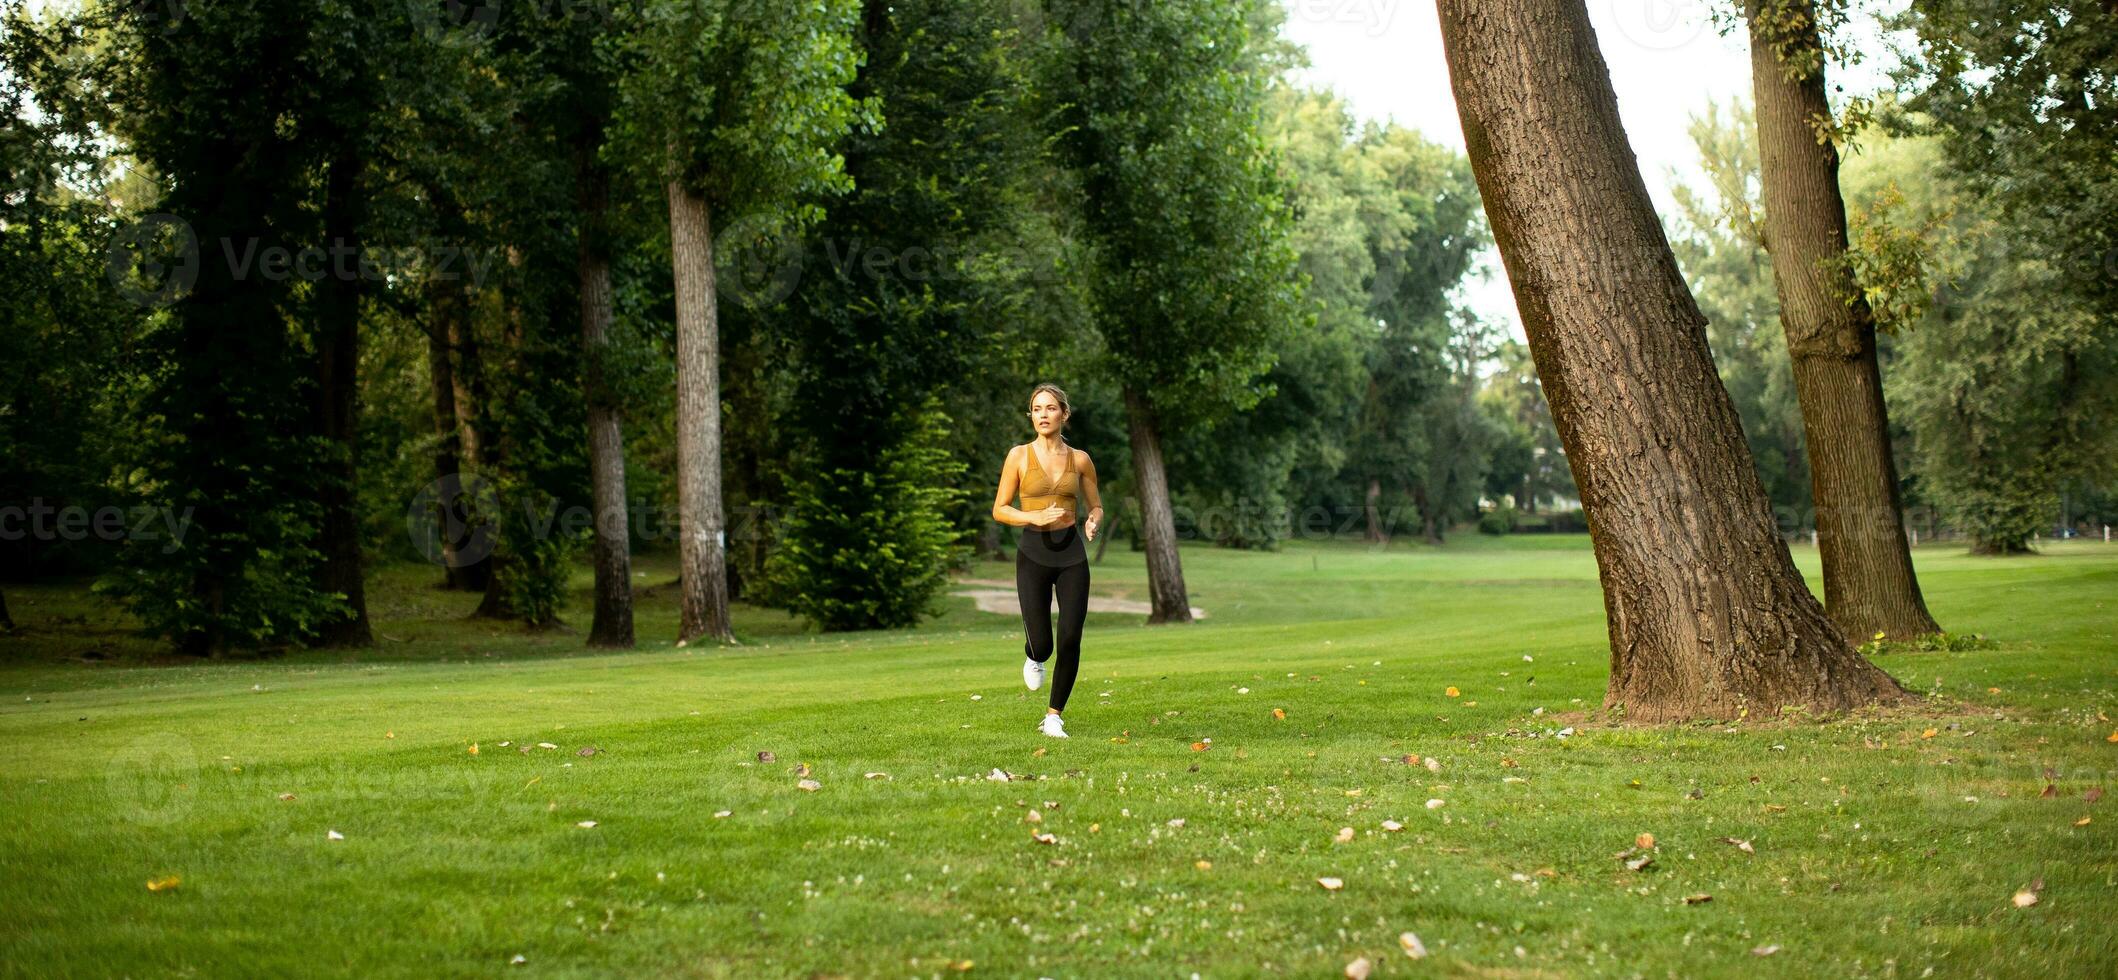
{"x":1034,"y":585}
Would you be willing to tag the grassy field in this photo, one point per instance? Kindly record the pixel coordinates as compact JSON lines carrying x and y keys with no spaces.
{"x":1877,"y":846}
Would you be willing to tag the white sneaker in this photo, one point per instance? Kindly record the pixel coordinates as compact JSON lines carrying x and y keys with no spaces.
{"x":1032,"y":673}
{"x":1051,"y":726}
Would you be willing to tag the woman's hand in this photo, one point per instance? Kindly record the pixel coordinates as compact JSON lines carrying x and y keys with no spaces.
{"x":1049,"y":516}
{"x":1089,"y":528}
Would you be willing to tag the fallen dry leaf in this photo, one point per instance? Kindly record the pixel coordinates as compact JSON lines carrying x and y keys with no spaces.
{"x":1699,"y":899}
{"x":767,"y":757}
{"x":1764,"y":950}
{"x":1435,"y":804}
{"x":1640,"y":862}
{"x":723,"y":813}
{"x":802,"y":769}
{"x":1176,"y":821}
{"x":1507,"y":763}
{"x":1645,"y":841}
{"x":474,"y":748}
{"x":875,"y":775}
{"x":1775,"y":808}
{"x":163,"y":884}
{"x":1741,"y":845}
{"x":2083,"y":822}
{"x":1358,"y":969}
{"x":2025,"y":898}
{"x":1033,"y":817}
{"x":1929,"y":733}
{"x":1038,"y":754}
{"x":2113,"y":737}
{"x":2051,"y":792}
{"x":1198,"y":746}
{"x":286,"y":797}
{"x":1392,"y":826}
{"x":1452,"y":692}
{"x":1331,"y":884}
{"x":1044,"y":838}
{"x":1412,"y":946}
{"x":1345,"y":835}
{"x":546,"y":745}
{"x":1279,"y":714}
{"x":1203,"y":865}
{"x":333,"y":835}
{"x":2092,"y":794}
{"x":1433,"y":764}
{"x":809,"y":785}
{"x":588,"y":750}
{"x":586,"y":824}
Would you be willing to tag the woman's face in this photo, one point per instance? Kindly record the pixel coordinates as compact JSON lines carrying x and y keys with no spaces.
{"x":1045,"y":413}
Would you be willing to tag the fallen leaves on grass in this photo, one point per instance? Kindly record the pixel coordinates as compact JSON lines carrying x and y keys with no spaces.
{"x":1044,"y":838}
{"x":333,"y":835}
{"x":286,"y":797}
{"x":802,"y":769}
{"x":163,"y":884}
{"x":1765,"y":950}
{"x":723,"y":813}
{"x":767,"y":757}
{"x":1033,"y":817}
{"x":1699,"y":899}
{"x":588,"y":750}
{"x":1344,"y":836}
{"x":586,"y":825}
{"x":1645,"y":841}
{"x":1436,"y":804}
{"x":1203,"y":865}
{"x":1176,"y":822}
{"x":1359,"y":969}
{"x":474,"y":748}
{"x":1929,"y":733}
{"x":1331,"y":884}
{"x":2083,"y":822}
{"x":1741,"y":845}
{"x":1279,"y":714}
{"x":1411,"y":945}
{"x":875,"y":775}
{"x":1392,"y":826}
{"x":2092,"y":794}
{"x":546,"y":745}
{"x":1198,"y":746}
{"x":808,"y":785}
{"x":1433,"y":764}
{"x":1452,"y":692}
{"x":2028,"y":896}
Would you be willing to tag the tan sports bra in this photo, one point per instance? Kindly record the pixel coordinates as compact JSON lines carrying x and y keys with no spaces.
{"x":1040,"y":491}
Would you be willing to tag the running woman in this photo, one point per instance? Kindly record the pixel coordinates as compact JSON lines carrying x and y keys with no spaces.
{"x":1053,"y":478}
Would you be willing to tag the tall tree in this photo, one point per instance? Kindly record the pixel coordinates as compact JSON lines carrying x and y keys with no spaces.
{"x":1707,"y":614}
{"x":1869,"y":584}
{"x":738,"y":106}
{"x":1193,"y":283}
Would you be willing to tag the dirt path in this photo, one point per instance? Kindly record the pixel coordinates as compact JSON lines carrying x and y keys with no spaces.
{"x":995,"y":596}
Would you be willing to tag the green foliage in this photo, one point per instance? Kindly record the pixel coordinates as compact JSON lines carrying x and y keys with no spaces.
{"x":1193,"y":274}
{"x":1497,"y":521}
{"x":872,"y":547}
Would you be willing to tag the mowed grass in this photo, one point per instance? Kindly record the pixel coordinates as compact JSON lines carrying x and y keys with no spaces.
{"x":1879,"y":850}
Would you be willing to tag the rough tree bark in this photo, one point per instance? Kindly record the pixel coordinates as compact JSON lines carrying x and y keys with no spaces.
{"x":1869,"y":583}
{"x":611,"y":552}
{"x":6,"y":622}
{"x":1165,"y":573}
{"x":338,"y":383}
{"x":1707,"y":615}
{"x":702,"y":564}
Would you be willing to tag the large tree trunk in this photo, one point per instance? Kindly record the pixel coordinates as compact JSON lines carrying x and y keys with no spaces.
{"x":702,"y":563}
{"x":1706,"y":612}
{"x":611,"y":552}
{"x":1165,"y":573}
{"x":6,"y":622}
{"x":338,"y":384}
{"x":1869,"y":584}
{"x":481,"y":451}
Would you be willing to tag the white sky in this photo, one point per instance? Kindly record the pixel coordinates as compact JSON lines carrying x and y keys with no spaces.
{"x":1384,"y":57}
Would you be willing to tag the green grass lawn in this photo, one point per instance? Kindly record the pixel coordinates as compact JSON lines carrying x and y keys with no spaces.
{"x":1877,"y":851}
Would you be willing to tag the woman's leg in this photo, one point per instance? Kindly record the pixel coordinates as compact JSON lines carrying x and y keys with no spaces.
{"x":1073,"y":612}
{"x":1033,"y":591}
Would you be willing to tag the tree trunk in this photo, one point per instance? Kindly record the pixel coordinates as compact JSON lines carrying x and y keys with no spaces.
{"x":1165,"y":573}
{"x":1706,"y":612}
{"x":6,"y":622}
{"x":1429,"y":529}
{"x":702,"y":564}
{"x":1110,"y":520}
{"x":1869,"y":584}
{"x":1373,"y":505}
{"x":447,"y":310}
{"x":611,"y":552}
{"x":338,"y":383}
{"x":495,"y":604}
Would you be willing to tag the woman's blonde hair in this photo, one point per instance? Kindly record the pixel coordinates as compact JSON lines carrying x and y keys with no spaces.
{"x":1066,"y":410}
